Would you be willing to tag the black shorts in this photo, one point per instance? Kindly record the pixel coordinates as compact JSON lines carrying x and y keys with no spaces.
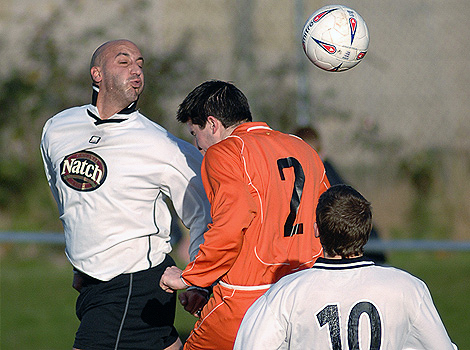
{"x":130,"y":311}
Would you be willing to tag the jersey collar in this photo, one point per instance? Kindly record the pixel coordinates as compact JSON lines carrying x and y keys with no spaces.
{"x":251,"y":126}
{"x":98,"y":121}
{"x":342,"y":264}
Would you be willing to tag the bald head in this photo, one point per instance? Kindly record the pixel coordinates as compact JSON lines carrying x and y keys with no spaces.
{"x":117,"y":70}
{"x":99,"y":54}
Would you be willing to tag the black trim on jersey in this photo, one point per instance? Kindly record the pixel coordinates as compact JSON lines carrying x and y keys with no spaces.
{"x":148,"y":252}
{"x":94,"y":97}
{"x":94,"y":94}
{"x":342,"y":264}
{"x":99,"y":121}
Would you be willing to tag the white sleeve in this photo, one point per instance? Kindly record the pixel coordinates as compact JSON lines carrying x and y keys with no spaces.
{"x":48,"y":168}
{"x":188,"y":196}
{"x":427,"y":330}
{"x":261,"y":329}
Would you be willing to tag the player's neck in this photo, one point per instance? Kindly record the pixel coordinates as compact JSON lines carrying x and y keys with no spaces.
{"x":228,"y":131}
{"x":108,"y":108}
{"x":337,"y":257}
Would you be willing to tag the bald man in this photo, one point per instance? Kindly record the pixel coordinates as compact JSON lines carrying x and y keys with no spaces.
{"x":110,"y":169}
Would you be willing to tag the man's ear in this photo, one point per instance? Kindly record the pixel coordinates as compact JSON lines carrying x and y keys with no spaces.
{"x":315,"y":229}
{"x":96,"y":74}
{"x":213,"y":123}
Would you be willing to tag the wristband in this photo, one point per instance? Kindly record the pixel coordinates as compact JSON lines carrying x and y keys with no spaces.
{"x":182,"y":280}
{"x":205,"y":290}
{"x":198,"y":288}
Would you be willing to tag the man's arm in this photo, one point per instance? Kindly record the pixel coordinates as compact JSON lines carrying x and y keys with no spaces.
{"x":232,"y":208}
{"x":193,"y":299}
{"x":48,"y":166}
{"x":171,"y":280}
{"x":184,"y":188}
{"x":427,"y":330}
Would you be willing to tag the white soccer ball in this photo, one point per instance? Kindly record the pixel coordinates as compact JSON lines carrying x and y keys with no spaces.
{"x":335,"y":38}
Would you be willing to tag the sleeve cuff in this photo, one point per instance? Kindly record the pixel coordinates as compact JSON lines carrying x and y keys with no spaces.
{"x":186,"y":283}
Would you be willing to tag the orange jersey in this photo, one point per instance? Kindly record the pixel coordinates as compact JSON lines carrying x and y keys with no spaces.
{"x":263,"y":186}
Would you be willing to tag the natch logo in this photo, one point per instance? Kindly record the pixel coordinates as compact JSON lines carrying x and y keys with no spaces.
{"x":83,"y":171}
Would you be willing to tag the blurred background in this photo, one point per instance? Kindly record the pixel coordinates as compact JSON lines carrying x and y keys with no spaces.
{"x":396,"y":126}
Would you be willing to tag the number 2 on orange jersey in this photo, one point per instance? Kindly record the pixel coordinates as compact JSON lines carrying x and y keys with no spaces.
{"x":289,"y":228}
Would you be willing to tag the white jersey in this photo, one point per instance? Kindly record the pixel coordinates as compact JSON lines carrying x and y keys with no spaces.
{"x":109,"y":178}
{"x":344,"y":304}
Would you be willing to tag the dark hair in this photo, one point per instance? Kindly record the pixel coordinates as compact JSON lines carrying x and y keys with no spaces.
{"x":344,"y":220}
{"x":216,"y":98}
{"x":309,"y":135}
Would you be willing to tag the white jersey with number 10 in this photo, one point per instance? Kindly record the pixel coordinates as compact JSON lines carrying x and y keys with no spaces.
{"x":345,"y":304}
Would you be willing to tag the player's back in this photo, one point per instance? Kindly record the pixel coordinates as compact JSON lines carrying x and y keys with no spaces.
{"x":285,"y":177}
{"x":339,"y":304}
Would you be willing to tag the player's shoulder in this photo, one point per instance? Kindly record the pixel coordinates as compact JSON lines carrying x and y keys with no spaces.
{"x":295,"y":281}
{"x":152,"y":128}
{"x":146,"y":123}
{"x":68,"y":113}
{"x":398,"y":277}
{"x":300,"y":143}
{"x":148,"y":130}
{"x":67,"y":118}
{"x":71,"y":110}
{"x":385,"y":273}
{"x":231,"y":147}
{"x":163,"y":140}
{"x":258,"y":136}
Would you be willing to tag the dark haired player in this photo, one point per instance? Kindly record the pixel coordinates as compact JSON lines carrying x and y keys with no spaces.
{"x":344,"y":301}
{"x":263,"y":186}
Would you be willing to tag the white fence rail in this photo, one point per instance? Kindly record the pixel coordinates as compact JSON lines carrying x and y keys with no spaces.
{"x":372,"y":246}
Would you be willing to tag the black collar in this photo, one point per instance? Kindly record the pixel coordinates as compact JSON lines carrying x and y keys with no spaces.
{"x":342,"y":264}
{"x":128,"y":110}
{"x":99,"y":121}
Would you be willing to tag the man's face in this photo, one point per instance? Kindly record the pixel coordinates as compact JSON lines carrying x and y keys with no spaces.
{"x":122,"y":73}
{"x":204,"y":137}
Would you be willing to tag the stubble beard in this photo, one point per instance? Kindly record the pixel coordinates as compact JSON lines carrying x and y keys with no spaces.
{"x":123,"y":91}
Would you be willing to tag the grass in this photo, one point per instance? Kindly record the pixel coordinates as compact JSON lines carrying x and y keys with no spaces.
{"x":37,"y":302}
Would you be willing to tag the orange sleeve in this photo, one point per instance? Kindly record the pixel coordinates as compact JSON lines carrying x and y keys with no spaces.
{"x":232,"y":210}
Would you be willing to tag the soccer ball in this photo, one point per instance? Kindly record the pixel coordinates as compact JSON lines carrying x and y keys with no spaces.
{"x":335,"y":38}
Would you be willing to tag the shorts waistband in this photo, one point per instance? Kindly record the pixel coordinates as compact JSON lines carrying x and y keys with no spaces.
{"x":87,"y":280}
{"x":236,"y":287}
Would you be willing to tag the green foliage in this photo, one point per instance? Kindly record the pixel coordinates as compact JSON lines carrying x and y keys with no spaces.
{"x":168,"y":76}
{"x":54,"y":80}
{"x":428,"y":215}
{"x":34,"y":93}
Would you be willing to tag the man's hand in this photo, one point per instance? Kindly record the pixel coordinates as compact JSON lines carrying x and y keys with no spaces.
{"x":77,"y":283}
{"x":194,"y":300}
{"x":171,"y":280}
